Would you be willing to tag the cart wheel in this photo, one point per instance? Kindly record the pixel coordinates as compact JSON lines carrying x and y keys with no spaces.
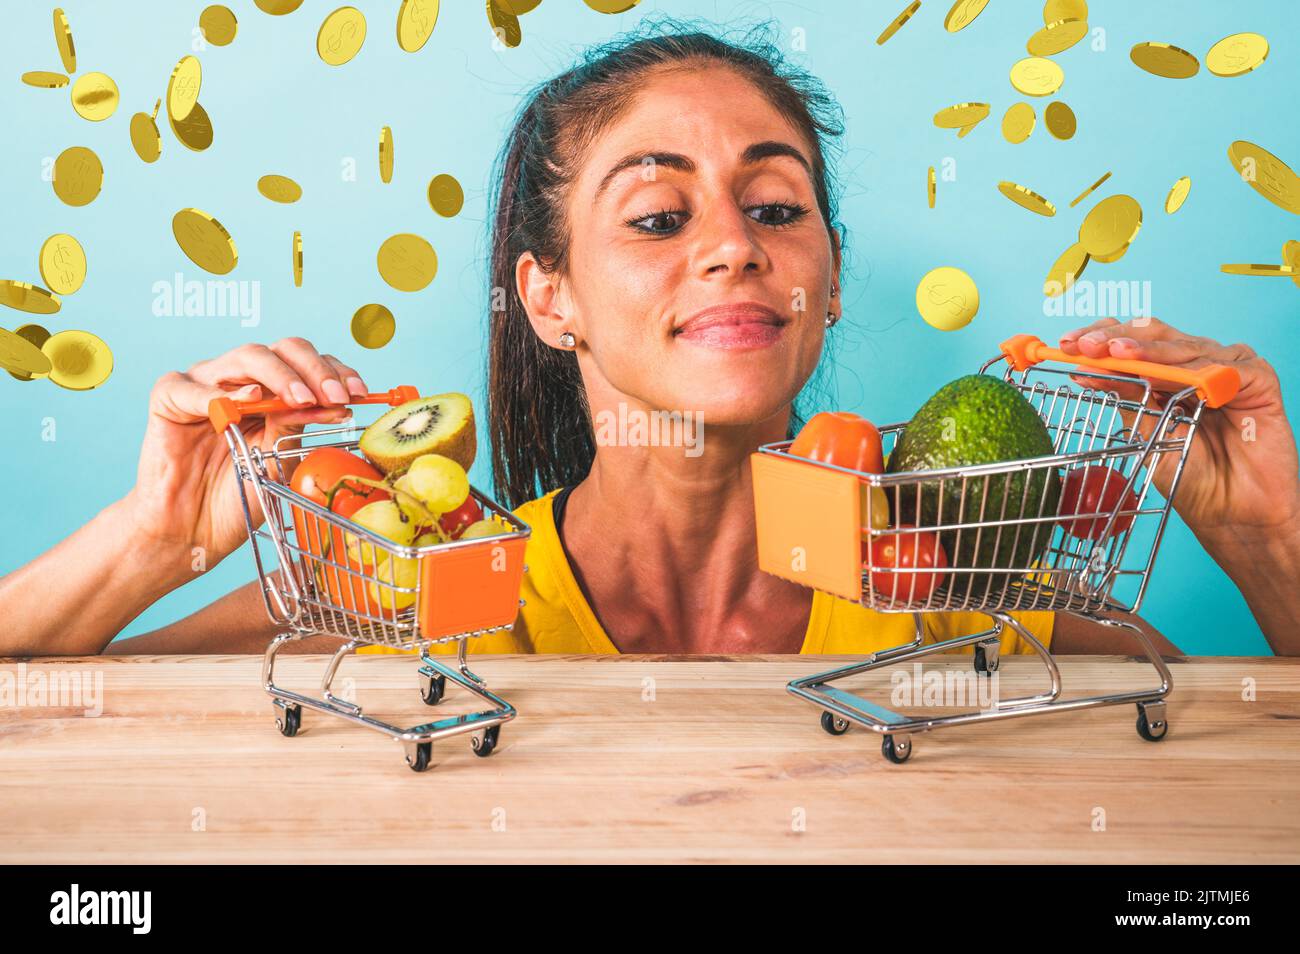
{"x":982,"y":661}
{"x":423,"y":752}
{"x":833,"y":724}
{"x":289,"y":720}
{"x":1148,"y":731}
{"x":433,"y":693}
{"x":897,"y":751}
{"x":485,"y":746}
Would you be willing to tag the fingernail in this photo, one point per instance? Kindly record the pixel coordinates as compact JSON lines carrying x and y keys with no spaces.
{"x":356,"y":387}
{"x":1126,"y":342}
{"x":334,"y":391}
{"x":249,"y":392}
{"x":301,"y":393}
{"x":1094,"y":337}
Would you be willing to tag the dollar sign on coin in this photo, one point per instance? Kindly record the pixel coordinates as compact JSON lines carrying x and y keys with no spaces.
{"x":341,"y":36}
{"x":63,"y":264}
{"x":407,"y":262}
{"x":78,"y":176}
{"x":947,"y":298}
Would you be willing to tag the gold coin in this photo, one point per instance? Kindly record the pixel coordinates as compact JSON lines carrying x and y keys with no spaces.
{"x":445,"y":195}
{"x":1178,"y":195}
{"x":1266,"y":174}
{"x":195,"y":130}
{"x":94,"y":96}
{"x":898,"y":22}
{"x":341,"y":35}
{"x":145,"y":138}
{"x":218,"y":25}
{"x":297,"y":259}
{"x":961,"y":115}
{"x":1114,"y":256}
{"x":29,"y":298}
{"x":1054,"y":10}
{"x":373,"y":326}
{"x":36,"y":336}
{"x":1089,"y":191}
{"x":1065,"y":271}
{"x":520,"y":7}
{"x":1018,"y":122}
{"x":1110,"y":226}
{"x":278,"y":8}
{"x":962,"y":13}
{"x":183,"y":88}
{"x":1291,"y":254}
{"x":63,"y":264}
{"x":505,"y":26}
{"x":966,"y":129}
{"x":407,"y":262}
{"x":1026,"y":198}
{"x":1270,"y":271}
{"x":79,"y":361}
{"x":386,"y":154}
{"x":279,"y":189}
{"x":20,"y":357}
{"x":1060,"y":120}
{"x":43,"y":79}
{"x":78,"y":176}
{"x":1036,"y":76}
{"x":415,"y":22}
{"x":947,"y":298}
{"x":610,"y":6}
{"x":63,"y":40}
{"x":205,"y":241}
{"x":1057,"y":37}
{"x":1161,"y":59}
{"x":1237,"y":55}
{"x":930,"y":186}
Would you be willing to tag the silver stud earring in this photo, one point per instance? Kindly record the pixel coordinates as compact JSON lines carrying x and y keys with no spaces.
{"x":567,"y":340}
{"x":831,"y":318}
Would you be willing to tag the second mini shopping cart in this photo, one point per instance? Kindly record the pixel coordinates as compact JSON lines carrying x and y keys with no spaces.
{"x":333,"y":577}
{"x":1103,"y":567}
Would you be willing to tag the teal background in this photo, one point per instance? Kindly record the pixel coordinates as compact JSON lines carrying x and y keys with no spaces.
{"x":277,"y":108}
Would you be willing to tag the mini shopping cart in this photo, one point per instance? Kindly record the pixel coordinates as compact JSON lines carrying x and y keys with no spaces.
{"x":824,"y":542}
{"x":333,"y":577}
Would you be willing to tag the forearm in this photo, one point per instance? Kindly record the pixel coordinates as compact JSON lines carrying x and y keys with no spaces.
{"x":236,"y":623}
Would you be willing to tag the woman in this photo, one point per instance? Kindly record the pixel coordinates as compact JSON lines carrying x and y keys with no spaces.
{"x":665,"y":231}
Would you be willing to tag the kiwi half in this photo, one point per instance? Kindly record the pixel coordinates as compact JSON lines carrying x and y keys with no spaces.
{"x":440,"y":424}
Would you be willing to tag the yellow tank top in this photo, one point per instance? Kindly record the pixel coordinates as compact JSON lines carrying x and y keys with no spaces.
{"x":556,"y":617}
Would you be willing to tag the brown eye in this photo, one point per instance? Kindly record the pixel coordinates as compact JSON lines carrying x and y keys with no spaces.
{"x":778,"y":213}
{"x":664,"y":222}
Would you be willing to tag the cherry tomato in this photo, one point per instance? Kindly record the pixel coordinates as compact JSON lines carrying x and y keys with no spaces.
{"x":1096,"y":490}
{"x":454,"y":522}
{"x":842,"y":439}
{"x":904,"y":551}
{"x":322,"y":469}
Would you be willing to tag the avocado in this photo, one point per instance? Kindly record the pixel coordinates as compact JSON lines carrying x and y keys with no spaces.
{"x":978,"y":419}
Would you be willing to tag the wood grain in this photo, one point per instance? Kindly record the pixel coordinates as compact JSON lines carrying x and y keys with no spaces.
{"x":625,"y":758}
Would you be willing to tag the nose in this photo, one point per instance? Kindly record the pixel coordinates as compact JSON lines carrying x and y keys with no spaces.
{"x":726,"y":241}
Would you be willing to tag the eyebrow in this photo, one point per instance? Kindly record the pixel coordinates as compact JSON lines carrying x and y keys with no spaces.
{"x":752,"y":155}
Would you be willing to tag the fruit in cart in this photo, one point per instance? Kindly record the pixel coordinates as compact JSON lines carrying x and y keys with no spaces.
{"x":979,"y":419}
{"x":484,"y":528}
{"x":393,"y":576}
{"x":455,"y":522}
{"x":438,"y":482}
{"x":1095,"y":490}
{"x":892,"y":552}
{"x":322,"y":475}
{"x":846,"y":440}
{"x":440,"y":424}
{"x":385,"y":518}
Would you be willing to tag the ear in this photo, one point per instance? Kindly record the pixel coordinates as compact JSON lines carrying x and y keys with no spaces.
{"x":544,"y":300}
{"x":837,"y":302}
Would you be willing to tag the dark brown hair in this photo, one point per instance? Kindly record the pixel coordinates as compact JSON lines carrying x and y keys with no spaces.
{"x":539,"y":422}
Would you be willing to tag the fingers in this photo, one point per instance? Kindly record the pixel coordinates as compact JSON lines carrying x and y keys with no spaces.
{"x":291,"y":369}
{"x":178,"y":398}
{"x":321,"y":376}
{"x":351,"y":379}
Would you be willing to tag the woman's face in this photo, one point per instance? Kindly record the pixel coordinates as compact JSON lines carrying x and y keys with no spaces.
{"x":699,"y":197}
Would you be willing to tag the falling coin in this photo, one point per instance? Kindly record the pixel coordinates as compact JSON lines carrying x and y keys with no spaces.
{"x":36,"y":336}
{"x":1266,"y":174}
{"x":1057,"y":37}
{"x":1178,"y":195}
{"x":279,"y":189}
{"x":610,"y":6}
{"x":1110,"y":226}
{"x":373,"y":326}
{"x":145,"y":138}
{"x":1291,"y":254}
{"x":1161,"y":59}
{"x":1036,"y":76}
{"x":63,"y":264}
{"x":898,"y":22}
{"x":930,"y":186}
{"x":1089,"y":191}
{"x":962,"y":13}
{"x":445,"y":195}
{"x":341,"y":35}
{"x":961,"y":115}
{"x":1054,"y":10}
{"x":94,"y":96}
{"x":43,"y":79}
{"x":1026,"y":198}
{"x":218,"y":25}
{"x":407,"y":262}
{"x":183,"y":88}
{"x":29,"y":298}
{"x":205,"y":241}
{"x":386,"y":154}
{"x":1018,"y":122}
{"x":278,"y":8}
{"x":1269,"y":271}
{"x":78,"y":176}
{"x":63,"y":40}
{"x":947,"y":298}
{"x":965,"y":130}
{"x":79,"y":361}
{"x":505,"y":26}
{"x":1065,"y":271}
{"x":297,"y":259}
{"x":20,"y":357}
{"x":195,"y":130}
{"x":1237,"y":55}
{"x":415,"y":22}
{"x":1060,"y":120}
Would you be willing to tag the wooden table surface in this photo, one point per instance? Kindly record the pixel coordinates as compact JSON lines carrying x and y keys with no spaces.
{"x":626,"y":758}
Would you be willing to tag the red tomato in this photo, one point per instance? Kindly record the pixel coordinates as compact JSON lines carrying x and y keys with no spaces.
{"x":454,"y":522}
{"x":903,"y":551}
{"x":1095,"y":490}
{"x":842,"y":439}
{"x":319,"y":471}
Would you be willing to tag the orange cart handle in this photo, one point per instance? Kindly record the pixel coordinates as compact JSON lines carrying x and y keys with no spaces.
{"x":1216,"y":384}
{"x":223,"y":412}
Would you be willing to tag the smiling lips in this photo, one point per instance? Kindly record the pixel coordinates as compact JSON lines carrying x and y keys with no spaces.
{"x":739,"y":326}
